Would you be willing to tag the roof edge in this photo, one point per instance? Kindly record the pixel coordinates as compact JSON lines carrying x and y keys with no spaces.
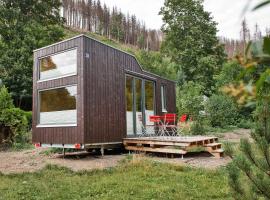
{"x":84,"y":35}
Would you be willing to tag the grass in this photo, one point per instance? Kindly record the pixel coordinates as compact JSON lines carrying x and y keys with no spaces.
{"x":131,"y":180}
{"x":124,"y":47}
{"x":16,"y":147}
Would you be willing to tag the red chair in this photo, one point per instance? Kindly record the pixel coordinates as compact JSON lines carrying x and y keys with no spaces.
{"x":183,"y":122}
{"x":150,"y":129}
{"x":183,"y":118}
{"x":157,"y":124}
{"x":170,"y":126}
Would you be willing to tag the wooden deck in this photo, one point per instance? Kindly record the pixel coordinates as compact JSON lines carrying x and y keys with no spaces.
{"x":174,"y":145}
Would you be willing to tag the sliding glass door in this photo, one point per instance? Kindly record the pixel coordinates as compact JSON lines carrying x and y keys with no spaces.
{"x":139,"y":104}
{"x":149,"y":102}
{"x":129,"y":105}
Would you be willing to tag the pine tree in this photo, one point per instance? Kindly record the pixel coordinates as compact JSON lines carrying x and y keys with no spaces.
{"x":249,"y":172}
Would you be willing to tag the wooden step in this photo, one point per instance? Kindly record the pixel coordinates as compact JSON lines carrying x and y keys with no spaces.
{"x":213,"y":145}
{"x":165,"y":143}
{"x":219,"y":153}
{"x":158,"y":150}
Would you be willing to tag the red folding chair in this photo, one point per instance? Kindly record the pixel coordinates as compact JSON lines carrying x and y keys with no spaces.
{"x":150,"y":129}
{"x":157,"y":124}
{"x":183,"y":122}
{"x":183,"y":118}
{"x":170,"y":126}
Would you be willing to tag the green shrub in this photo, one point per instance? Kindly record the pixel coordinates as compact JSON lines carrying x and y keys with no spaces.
{"x":198,"y":127}
{"x":221,"y":111}
{"x":5,"y":99}
{"x":28,"y":115}
{"x":190,"y":99}
{"x":229,"y":74}
{"x":246,"y":123}
{"x":14,"y":122}
{"x":15,"y":119}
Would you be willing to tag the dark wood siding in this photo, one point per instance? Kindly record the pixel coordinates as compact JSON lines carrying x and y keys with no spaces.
{"x":101,"y":103}
{"x":59,"y":135}
{"x":105,"y":102}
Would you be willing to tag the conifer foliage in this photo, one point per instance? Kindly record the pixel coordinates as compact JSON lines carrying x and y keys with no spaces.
{"x":90,"y":15}
{"x":250,"y":170}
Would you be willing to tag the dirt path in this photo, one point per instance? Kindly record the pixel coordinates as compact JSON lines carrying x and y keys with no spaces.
{"x":33,"y":160}
{"x":36,"y":159}
{"x":236,"y":135}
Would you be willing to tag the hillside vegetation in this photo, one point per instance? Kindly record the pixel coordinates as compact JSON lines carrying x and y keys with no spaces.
{"x":152,"y":61}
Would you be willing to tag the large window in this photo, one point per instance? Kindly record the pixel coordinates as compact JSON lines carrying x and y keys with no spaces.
{"x":140,"y":101}
{"x":58,"y":106}
{"x":58,"y":65}
{"x":129,"y":106}
{"x":149,"y":101}
{"x":163,"y":99}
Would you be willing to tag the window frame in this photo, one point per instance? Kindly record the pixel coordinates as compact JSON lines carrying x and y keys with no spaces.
{"x":53,"y":54}
{"x":55,"y":125}
{"x":143,"y":79}
{"x":163,"y":98}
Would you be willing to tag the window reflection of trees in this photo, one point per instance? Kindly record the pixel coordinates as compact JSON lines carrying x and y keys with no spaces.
{"x":129,"y":93}
{"x":58,"y":99}
{"x":47,"y":64}
{"x":149,"y":95}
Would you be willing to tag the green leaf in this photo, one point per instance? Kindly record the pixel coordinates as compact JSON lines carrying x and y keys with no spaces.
{"x":261,"y":5}
{"x":266,"y":45}
{"x":267,"y":79}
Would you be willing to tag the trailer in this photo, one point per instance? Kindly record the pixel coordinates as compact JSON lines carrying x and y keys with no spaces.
{"x":87,"y":94}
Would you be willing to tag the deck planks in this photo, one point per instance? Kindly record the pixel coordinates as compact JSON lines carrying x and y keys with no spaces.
{"x":175,"y":145}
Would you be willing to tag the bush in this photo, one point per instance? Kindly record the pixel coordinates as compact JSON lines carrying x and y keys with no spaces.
{"x":190,"y":99}
{"x":28,"y":115}
{"x":229,"y":73}
{"x":246,"y":123}
{"x":198,"y":128}
{"x":14,"y":122}
{"x":5,"y":99}
{"x":221,"y":111}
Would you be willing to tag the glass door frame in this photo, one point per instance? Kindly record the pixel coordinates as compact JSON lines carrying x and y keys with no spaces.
{"x":134,"y":99}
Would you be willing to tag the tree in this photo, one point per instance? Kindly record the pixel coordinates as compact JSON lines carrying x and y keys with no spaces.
{"x":230,"y":73}
{"x":253,"y":160}
{"x":25,"y":26}
{"x":190,"y":39}
{"x":156,"y":63}
{"x":250,"y":170}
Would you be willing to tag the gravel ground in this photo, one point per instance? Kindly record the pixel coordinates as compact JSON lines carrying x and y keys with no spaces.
{"x":36,"y":159}
{"x":33,"y":160}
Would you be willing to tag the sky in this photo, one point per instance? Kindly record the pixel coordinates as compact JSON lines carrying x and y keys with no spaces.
{"x":227,"y":13}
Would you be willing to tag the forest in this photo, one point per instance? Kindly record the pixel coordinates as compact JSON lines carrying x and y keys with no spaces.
{"x":222,"y":84}
{"x":201,"y":63}
{"x":91,"y":16}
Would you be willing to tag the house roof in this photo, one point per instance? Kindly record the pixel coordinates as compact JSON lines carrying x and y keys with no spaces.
{"x":84,"y":35}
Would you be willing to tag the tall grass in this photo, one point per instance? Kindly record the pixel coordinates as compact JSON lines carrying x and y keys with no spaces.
{"x":133,"y":179}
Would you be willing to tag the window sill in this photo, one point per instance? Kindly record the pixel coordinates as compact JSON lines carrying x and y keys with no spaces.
{"x":59,"y":77}
{"x":55,"y":125}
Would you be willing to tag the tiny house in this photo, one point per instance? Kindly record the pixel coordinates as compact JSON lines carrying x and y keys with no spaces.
{"x":86,"y":93}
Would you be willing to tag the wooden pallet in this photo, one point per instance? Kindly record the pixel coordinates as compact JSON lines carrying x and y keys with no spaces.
{"x":174,"y":145}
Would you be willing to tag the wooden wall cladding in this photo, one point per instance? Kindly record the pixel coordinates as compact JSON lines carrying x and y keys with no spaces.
{"x":101,"y":104}
{"x":59,"y":135}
